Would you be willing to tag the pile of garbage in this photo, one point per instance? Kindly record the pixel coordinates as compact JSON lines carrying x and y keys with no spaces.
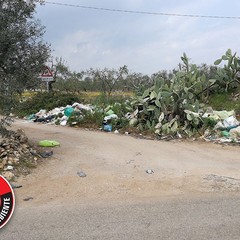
{"x":215,"y":126}
{"x":16,"y":154}
{"x":59,"y":115}
{"x":73,"y":114}
{"x":226,"y":129}
{"x":107,"y":120}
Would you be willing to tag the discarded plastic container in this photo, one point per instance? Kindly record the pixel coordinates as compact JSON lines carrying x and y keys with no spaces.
{"x":107,"y":127}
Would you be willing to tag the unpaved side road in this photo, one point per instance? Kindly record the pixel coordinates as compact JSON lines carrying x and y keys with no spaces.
{"x":116,"y":166}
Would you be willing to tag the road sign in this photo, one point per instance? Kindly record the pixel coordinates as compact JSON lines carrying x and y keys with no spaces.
{"x":47,"y":75}
{"x":47,"y":79}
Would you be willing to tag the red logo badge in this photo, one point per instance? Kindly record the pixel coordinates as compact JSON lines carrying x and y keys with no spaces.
{"x":7,"y":201}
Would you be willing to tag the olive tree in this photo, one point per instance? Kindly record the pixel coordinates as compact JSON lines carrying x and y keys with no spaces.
{"x":23,"y":51}
{"x":109,"y":78}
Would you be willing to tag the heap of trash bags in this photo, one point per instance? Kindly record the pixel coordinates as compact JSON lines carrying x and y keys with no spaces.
{"x":59,"y":115}
{"x":226,"y":129}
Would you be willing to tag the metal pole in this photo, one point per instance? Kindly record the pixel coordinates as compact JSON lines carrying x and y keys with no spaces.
{"x":47,"y":86}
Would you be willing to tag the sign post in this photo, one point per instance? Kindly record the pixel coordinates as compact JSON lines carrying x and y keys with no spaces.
{"x":47,"y":76}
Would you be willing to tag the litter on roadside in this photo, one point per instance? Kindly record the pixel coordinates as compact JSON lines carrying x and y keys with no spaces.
{"x":46,"y":154}
{"x":59,"y":115}
{"x":149,"y":171}
{"x":81,"y":174}
{"x":48,"y":143}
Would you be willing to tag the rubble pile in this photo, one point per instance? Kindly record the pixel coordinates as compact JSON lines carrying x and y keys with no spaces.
{"x":16,"y":155}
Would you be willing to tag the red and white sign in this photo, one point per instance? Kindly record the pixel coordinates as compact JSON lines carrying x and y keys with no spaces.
{"x":47,"y":75}
{"x":7,"y":201}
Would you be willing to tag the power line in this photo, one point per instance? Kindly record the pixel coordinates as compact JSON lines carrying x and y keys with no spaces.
{"x":143,"y":12}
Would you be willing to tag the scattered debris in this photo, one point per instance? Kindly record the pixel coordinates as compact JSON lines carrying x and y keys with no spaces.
{"x":226,"y":129}
{"x":107,"y":127}
{"x":46,"y":154}
{"x":235,"y":133}
{"x":48,"y":143}
{"x":59,"y":115}
{"x":81,"y":174}
{"x":149,"y":171}
{"x":28,"y":199}
{"x":218,"y":126}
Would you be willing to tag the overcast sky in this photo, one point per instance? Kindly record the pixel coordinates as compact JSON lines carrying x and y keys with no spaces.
{"x":87,"y":38}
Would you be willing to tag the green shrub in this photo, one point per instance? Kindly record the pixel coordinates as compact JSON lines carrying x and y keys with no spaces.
{"x":86,"y":119}
{"x":105,"y":100}
{"x":46,"y":101}
{"x":225,"y":101}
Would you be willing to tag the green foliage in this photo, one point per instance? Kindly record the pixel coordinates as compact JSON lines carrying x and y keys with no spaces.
{"x":108,"y":79}
{"x":102,"y":104}
{"x":103,"y":101}
{"x":162,"y":106}
{"x":171,"y":105}
{"x":22,"y":51}
{"x":46,"y":101}
{"x":226,"y":101}
{"x":228,"y":76}
{"x":86,"y":118}
{"x":5,"y":122}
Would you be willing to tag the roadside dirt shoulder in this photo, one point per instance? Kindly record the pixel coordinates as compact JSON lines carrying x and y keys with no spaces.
{"x":115,"y":168}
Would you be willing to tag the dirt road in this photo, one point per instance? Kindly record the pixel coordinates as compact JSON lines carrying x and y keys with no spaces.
{"x":193,"y":192}
{"x":116,"y":166}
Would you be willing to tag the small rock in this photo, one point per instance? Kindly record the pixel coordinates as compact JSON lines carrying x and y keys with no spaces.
{"x":15,"y":160}
{"x":10,"y":162}
{"x":1,"y":165}
{"x":3,"y":154}
{"x":8,"y":175}
{"x":4,"y":161}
